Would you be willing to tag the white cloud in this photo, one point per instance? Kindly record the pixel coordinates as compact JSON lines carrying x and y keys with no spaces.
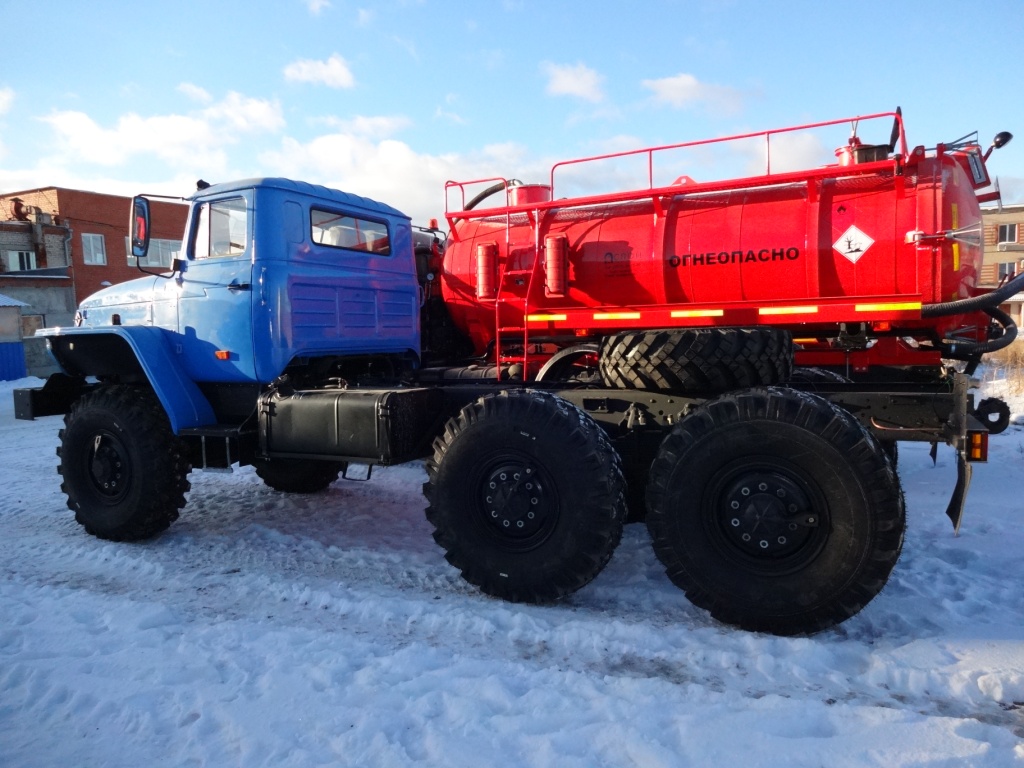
{"x":195,"y":93}
{"x":685,"y":90}
{"x":6,"y":99}
{"x":364,"y":17}
{"x":333,"y":73}
{"x":392,"y":172}
{"x":451,"y":117}
{"x":379,"y":127}
{"x":576,"y":80}
{"x":195,"y":140}
{"x":315,"y":6}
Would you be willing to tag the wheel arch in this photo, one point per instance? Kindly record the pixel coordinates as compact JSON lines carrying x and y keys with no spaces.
{"x":134,"y":353}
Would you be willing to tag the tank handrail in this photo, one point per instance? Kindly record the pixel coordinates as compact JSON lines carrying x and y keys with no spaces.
{"x":649,"y":151}
{"x":696,"y":188}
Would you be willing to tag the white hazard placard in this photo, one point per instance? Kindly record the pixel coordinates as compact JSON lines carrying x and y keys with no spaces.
{"x":853,"y":244}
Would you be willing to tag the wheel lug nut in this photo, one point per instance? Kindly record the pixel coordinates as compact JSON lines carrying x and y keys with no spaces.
{"x":745,"y":491}
{"x":762,"y":487}
{"x":735,"y":505}
{"x":735,"y":522}
{"x":764,"y":544}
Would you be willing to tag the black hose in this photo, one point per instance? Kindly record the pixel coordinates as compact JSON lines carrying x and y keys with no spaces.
{"x":963,"y":350}
{"x":977,"y":303}
{"x":479,"y":198}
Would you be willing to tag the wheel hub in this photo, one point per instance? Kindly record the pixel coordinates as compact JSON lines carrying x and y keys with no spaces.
{"x":108,"y":467}
{"x":766,"y":514}
{"x":515,"y":501}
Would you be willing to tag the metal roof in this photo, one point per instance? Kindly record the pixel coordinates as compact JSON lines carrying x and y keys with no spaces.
{"x":7,"y":301}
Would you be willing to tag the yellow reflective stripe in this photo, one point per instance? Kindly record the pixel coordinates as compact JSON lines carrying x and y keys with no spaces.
{"x":698,"y":313}
{"x":787,"y":310}
{"x":545,"y":318}
{"x":905,"y":306}
{"x":616,"y":315}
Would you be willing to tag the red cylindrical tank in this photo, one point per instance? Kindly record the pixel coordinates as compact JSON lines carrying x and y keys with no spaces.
{"x":556,"y":265}
{"x":801,"y":252}
{"x":486,"y":271}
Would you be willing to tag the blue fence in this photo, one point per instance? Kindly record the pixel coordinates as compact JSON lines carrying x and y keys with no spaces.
{"x":12,"y":361}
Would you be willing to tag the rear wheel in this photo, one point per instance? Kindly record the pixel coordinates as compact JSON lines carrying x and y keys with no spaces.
{"x":776,"y":511}
{"x":526,"y":496}
{"x":697,"y":360}
{"x":295,"y":476}
{"x":125,"y":473}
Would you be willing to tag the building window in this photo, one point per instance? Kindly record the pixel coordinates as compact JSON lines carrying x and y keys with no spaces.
{"x":19,"y":261}
{"x":93,"y":249}
{"x":1007,"y":269}
{"x":1007,"y":233}
{"x":161,"y":253}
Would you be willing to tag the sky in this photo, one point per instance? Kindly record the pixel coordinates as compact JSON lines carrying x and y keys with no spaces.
{"x":391,"y":99}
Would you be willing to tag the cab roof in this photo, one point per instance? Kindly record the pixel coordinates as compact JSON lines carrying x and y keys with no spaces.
{"x":326,"y":194}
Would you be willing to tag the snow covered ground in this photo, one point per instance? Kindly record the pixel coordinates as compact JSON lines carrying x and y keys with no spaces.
{"x":272,"y":630}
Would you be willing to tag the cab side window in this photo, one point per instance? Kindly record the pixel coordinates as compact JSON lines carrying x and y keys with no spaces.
{"x":339,"y":230}
{"x":222,"y":229}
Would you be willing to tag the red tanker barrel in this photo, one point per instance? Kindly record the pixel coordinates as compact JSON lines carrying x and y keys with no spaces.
{"x":486,"y":269}
{"x":556,"y":265}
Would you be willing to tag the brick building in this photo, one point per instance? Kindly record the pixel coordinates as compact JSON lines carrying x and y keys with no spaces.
{"x":58,"y":246}
{"x":1004,"y":252}
{"x":97,"y":250}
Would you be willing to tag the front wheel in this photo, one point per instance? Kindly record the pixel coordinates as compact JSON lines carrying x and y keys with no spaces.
{"x":526,"y":496}
{"x":125,"y":473}
{"x":775,"y":510}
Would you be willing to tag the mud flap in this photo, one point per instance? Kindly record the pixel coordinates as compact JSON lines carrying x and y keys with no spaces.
{"x":955,"y":510}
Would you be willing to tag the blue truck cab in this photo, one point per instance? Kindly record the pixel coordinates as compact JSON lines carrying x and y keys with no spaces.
{"x":274,"y":273}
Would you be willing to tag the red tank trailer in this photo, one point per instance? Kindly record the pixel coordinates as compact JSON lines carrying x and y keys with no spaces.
{"x":871,"y":261}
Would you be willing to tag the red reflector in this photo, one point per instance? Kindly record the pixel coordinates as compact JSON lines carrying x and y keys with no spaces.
{"x":222,"y":354}
{"x":882,"y":325}
{"x":582,"y":331}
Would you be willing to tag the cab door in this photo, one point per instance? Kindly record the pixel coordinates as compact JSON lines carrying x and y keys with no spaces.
{"x":215,"y":303}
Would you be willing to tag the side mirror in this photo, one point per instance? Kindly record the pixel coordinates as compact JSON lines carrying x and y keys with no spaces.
{"x":140,"y":227}
{"x":1001,"y":140}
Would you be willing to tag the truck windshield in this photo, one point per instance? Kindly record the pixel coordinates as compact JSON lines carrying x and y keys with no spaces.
{"x":222,"y":229}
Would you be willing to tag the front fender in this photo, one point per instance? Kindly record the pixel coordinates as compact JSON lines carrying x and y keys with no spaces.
{"x":133,"y":353}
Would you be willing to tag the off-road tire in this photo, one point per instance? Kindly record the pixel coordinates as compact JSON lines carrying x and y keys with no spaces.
{"x":125,"y":474}
{"x":525,"y":495}
{"x":297,"y":476}
{"x":702,"y":361}
{"x":776,"y":511}
{"x":808,"y":379}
